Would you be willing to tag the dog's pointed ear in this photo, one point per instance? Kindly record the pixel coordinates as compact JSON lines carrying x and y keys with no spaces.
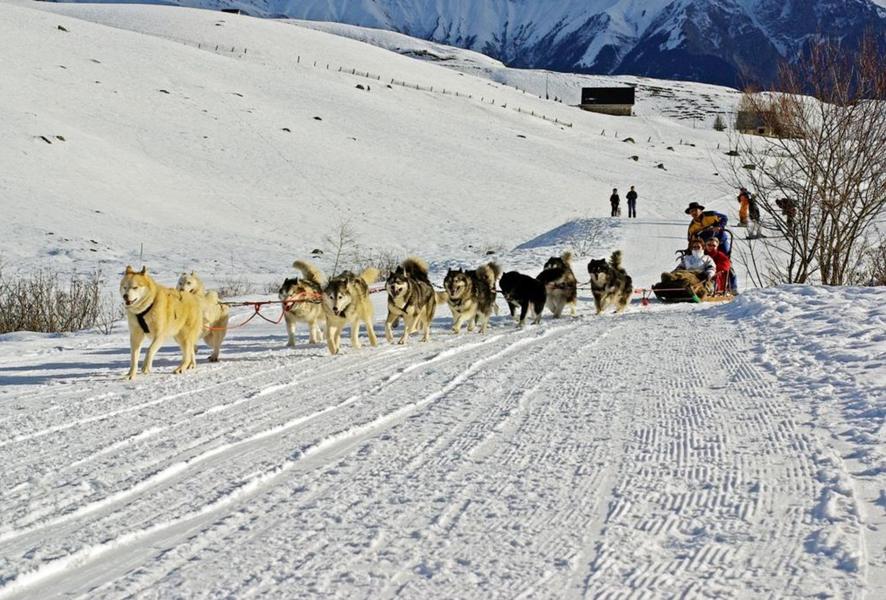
{"x":129,"y":270}
{"x":193,"y":274}
{"x":144,"y":270}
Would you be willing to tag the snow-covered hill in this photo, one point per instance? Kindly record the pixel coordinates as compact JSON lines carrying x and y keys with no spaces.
{"x":669,"y":451}
{"x":729,"y":42}
{"x":182,"y":128}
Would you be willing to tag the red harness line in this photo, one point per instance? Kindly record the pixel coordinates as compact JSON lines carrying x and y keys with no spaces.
{"x":258,"y":304}
{"x":285,"y":306}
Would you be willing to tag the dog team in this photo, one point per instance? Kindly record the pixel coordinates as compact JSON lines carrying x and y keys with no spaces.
{"x":190,"y":312}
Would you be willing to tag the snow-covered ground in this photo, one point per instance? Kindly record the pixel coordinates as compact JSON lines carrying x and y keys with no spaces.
{"x":695,"y":451}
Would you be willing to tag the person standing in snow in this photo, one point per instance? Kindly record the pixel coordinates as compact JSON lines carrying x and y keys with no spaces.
{"x":753,"y":219}
{"x":744,"y":205}
{"x":614,"y":200}
{"x":632,"y":203}
{"x":788,"y":211}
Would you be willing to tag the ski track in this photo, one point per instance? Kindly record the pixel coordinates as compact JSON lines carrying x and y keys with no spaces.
{"x":409,"y":472}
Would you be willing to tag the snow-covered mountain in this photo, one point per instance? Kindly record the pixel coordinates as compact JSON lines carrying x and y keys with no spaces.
{"x":716,"y":41}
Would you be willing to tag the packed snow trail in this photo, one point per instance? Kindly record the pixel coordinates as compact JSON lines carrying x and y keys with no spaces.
{"x":583,"y":457}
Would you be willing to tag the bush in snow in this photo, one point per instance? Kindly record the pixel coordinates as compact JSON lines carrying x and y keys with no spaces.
{"x":48,"y":302}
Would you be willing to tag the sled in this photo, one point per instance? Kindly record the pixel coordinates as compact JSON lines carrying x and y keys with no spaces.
{"x":670,"y":295}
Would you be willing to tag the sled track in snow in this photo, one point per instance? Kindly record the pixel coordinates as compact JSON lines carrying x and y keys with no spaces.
{"x":166,"y":479}
{"x":515,"y":464}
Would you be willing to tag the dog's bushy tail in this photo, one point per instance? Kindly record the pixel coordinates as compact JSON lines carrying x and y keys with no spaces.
{"x":567,"y":258}
{"x":310,"y":272}
{"x":369,"y":275}
{"x":415,"y":267}
{"x":615,"y":260}
{"x":489,"y":273}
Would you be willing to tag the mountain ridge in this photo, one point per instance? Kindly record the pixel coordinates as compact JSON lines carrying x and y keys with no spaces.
{"x":725,"y":42}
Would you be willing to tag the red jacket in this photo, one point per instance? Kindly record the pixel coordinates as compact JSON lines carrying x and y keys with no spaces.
{"x":723,"y":265}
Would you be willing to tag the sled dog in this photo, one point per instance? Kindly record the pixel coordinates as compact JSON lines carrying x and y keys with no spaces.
{"x":523,"y":292}
{"x":346,"y":302}
{"x":471,"y":296}
{"x":610,"y":283}
{"x":560,"y":284}
{"x":411,"y":296}
{"x":302,"y":301}
{"x":215,"y":314}
{"x":159,"y":312}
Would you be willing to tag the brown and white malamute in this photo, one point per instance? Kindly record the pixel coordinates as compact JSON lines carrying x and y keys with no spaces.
{"x":346,"y":302}
{"x":302,"y":301}
{"x":215,"y":314}
{"x":610,"y":283}
{"x":471,"y":296}
{"x":410,"y":296}
{"x":560,"y":284}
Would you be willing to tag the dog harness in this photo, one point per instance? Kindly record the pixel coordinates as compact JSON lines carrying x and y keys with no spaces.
{"x":141,"y":318}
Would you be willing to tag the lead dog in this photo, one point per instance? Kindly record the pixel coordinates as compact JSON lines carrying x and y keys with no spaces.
{"x":411,"y":296}
{"x":471,"y":296}
{"x":215,"y":314}
{"x":346,"y":302}
{"x":610,"y":283}
{"x":524,"y":292}
{"x":302,"y":301}
{"x":159,"y":312}
{"x":560,"y":284}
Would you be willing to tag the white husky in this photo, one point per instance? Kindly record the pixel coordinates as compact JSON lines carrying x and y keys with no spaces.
{"x":215,"y":314}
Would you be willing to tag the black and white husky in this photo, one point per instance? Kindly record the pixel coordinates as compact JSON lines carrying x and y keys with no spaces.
{"x":411,"y":296}
{"x":610,"y":283}
{"x":560,"y":284}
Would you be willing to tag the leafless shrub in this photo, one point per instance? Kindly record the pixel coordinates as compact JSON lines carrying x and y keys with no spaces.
{"x":872,"y":269}
{"x":384,"y":260}
{"x":47,"y":302}
{"x":827,"y":158}
{"x":342,"y":242}
{"x":233,"y":286}
{"x":111,"y":311}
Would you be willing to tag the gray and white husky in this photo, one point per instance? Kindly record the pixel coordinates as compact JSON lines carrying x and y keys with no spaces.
{"x":346,"y":302}
{"x":471,"y":296}
{"x":410,"y":296}
{"x":302,"y":301}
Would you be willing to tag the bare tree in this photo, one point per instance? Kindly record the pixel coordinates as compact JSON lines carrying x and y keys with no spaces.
{"x":819,"y":177}
{"x":342,"y":241}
